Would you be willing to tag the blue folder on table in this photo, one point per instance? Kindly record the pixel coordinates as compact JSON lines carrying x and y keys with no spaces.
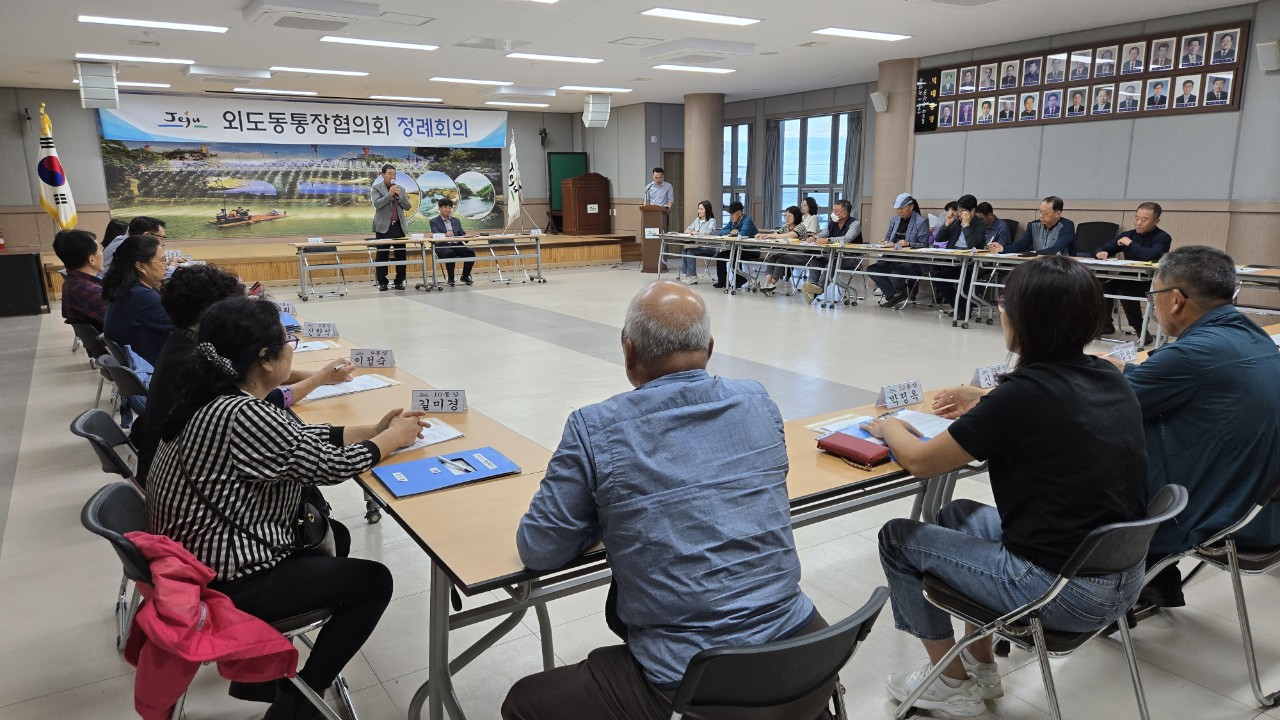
{"x":289,"y":322}
{"x":443,"y":471}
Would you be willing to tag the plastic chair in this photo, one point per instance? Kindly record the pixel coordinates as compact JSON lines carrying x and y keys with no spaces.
{"x":1222,"y":552}
{"x":776,"y":673}
{"x":118,"y":509}
{"x":91,"y":338}
{"x":1092,"y":235}
{"x":114,"y":349}
{"x":128,"y":383}
{"x":1108,"y":549}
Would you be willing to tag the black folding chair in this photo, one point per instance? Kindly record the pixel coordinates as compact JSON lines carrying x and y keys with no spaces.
{"x":1223,"y":552}
{"x":1108,"y":549}
{"x":776,"y":673}
{"x":114,"y":349}
{"x":128,"y":383}
{"x":91,"y":338}
{"x":1092,"y":235}
{"x":118,"y":509}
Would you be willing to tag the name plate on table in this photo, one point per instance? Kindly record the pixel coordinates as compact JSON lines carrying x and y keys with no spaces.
{"x":1125,"y":352}
{"x":287,"y":307}
{"x":315,"y":241}
{"x":437,"y":236}
{"x":535,"y":231}
{"x":985,"y":377}
{"x":372,"y":358}
{"x":900,"y":395}
{"x":416,"y":236}
{"x":440,"y":400}
{"x":320,"y":329}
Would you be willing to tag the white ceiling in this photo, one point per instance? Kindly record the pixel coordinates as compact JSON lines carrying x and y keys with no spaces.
{"x":40,"y":39}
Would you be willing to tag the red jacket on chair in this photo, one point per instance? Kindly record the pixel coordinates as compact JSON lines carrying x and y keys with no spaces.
{"x":181,"y":623}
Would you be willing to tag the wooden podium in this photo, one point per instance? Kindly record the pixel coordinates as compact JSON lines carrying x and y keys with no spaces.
{"x":651,"y":216}
{"x":586,"y":205}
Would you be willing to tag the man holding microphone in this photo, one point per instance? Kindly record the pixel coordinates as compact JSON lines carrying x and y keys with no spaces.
{"x":389,"y":204}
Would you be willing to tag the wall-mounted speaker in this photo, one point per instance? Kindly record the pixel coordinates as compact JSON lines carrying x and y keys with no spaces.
{"x":879,"y":101}
{"x":98,"y":85}
{"x":595,"y":111}
{"x":1269,"y":55}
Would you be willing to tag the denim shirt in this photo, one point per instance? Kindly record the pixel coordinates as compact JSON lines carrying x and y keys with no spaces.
{"x":684,"y":479}
{"x":1211,"y":407}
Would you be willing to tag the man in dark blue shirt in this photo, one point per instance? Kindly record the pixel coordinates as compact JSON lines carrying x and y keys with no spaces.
{"x":1209,"y":404}
{"x":1052,"y":234}
{"x":740,"y":225}
{"x":1146,"y":242}
{"x":447,"y":225}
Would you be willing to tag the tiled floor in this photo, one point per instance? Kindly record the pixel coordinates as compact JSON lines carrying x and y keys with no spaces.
{"x":527,"y":355}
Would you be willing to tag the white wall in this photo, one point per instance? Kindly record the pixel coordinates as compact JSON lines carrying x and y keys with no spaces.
{"x":1212,"y":156}
{"x":75,"y":134}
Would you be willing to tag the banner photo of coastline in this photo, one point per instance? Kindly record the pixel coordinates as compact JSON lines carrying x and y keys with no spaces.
{"x":267,"y":184}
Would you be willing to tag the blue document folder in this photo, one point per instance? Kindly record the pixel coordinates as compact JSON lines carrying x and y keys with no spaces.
{"x":442,"y":471}
{"x":289,"y":322}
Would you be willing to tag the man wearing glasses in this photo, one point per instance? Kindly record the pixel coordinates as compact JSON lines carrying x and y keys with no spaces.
{"x":141,"y":225}
{"x":1146,"y":241}
{"x":1209,"y":406}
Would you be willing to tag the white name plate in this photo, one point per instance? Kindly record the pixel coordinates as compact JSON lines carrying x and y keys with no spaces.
{"x":373,"y":358}
{"x":1125,"y":352}
{"x":320,"y":329}
{"x":900,"y":395}
{"x":315,"y":241}
{"x":985,"y":377}
{"x":440,"y":400}
{"x":287,"y":307}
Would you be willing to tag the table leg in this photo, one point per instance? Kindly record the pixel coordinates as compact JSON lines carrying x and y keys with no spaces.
{"x":960,"y":297}
{"x":731,"y":278}
{"x":438,"y":689}
{"x":302,"y":276}
{"x":537,"y":253}
{"x":422,"y":256}
{"x":544,"y":630}
{"x":434,"y":285}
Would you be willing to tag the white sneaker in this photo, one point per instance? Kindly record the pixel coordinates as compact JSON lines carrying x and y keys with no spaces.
{"x":987,"y":675}
{"x":964,"y":701}
{"x":689,"y":279}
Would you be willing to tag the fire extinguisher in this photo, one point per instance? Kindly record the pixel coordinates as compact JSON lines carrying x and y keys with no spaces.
{"x":1,"y":241}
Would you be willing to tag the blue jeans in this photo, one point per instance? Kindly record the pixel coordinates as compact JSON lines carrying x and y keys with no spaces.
{"x":965,"y":551}
{"x":689,"y":263}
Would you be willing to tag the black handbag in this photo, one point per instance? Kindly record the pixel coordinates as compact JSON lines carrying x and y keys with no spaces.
{"x":310,"y":523}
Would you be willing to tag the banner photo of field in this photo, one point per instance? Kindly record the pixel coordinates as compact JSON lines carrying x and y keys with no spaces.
{"x":237,"y":182}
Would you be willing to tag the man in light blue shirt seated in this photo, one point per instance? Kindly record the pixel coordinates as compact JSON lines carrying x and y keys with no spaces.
{"x":1211,"y":407}
{"x":684,"y":479}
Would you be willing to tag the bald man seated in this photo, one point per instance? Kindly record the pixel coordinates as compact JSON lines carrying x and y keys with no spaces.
{"x":684,"y":480}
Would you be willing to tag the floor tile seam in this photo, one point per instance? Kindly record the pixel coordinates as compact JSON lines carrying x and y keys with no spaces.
{"x":66,"y":690}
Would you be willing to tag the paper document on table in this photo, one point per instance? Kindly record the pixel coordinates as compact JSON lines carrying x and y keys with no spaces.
{"x":837,"y":424}
{"x":359,"y":383}
{"x":438,"y":432}
{"x":1247,"y":270}
{"x":1276,"y":339}
{"x":928,"y":425}
{"x":313,"y":345}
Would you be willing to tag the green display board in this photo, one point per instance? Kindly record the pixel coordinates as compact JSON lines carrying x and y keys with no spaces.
{"x":562,"y":166}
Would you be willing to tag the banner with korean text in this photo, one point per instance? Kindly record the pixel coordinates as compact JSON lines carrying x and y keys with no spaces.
{"x":235,"y":168}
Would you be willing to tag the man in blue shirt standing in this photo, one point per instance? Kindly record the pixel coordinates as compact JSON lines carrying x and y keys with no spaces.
{"x":700,"y":542}
{"x":740,"y":225}
{"x":659,"y":193}
{"x":1146,"y":241}
{"x":1211,"y":407}
{"x":1052,"y":234}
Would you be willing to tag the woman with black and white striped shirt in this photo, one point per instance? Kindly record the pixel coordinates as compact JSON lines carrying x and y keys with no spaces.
{"x":251,"y":460}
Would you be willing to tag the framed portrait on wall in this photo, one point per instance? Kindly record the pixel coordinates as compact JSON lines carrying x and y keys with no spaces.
{"x":1056,"y":71}
{"x":948,"y":83}
{"x":1134,"y":59}
{"x":1051,"y":107}
{"x":1029,"y":110}
{"x":964,"y":113}
{"x":1187,"y":89}
{"x":1080,"y":62}
{"x":1218,"y":88}
{"x":1162,"y":54}
{"x":1192,"y":51}
{"x":946,"y":114}
{"x":1224,"y":46}
{"x":1130,"y":98}
{"x":1106,"y":62}
{"x":987,"y":77}
{"x":1076,"y":98}
{"x":1157,"y":94}
{"x":969,"y":79}
{"x":1009,"y":76}
{"x":1031,"y":68}
{"x":986,"y":111}
{"x":1103,"y":99}
{"x":1007,"y":112}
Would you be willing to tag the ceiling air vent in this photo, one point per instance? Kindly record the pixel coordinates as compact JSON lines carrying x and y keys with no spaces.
{"x":313,"y":15}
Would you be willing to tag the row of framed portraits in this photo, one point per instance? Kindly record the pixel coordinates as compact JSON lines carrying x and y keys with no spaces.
{"x":1166,"y":54}
{"x":1161,"y":94}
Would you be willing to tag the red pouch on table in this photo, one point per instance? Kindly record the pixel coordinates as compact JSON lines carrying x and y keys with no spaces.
{"x":862,"y":454}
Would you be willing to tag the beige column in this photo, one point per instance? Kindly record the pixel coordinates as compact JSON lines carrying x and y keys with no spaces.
{"x":703,"y":154}
{"x":895,"y":142}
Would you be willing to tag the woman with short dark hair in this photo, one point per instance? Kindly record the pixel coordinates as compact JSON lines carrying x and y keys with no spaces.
{"x":703,"y":224}
{"x":228,"y":481}
{"x":1076,"y":462}
{"x":135,"y":317}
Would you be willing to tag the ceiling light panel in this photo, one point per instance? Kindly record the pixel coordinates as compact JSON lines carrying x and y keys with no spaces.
{"x":132,"y":58}
{"x":694,"y":68}
{"x":150,"y":24}
{"x":506,"y":103}
{"x":590,"y":89}
{"x":265,"y":91}
{"x":554,"y":58}
{"x":126,"y":83}
{"x":378,"y":43}
{"x":860,"y":34}
{"x":699,"y":16}
{"x":467,"y":81}
{"x":406,"y":98}
{"x":314,"y":71}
